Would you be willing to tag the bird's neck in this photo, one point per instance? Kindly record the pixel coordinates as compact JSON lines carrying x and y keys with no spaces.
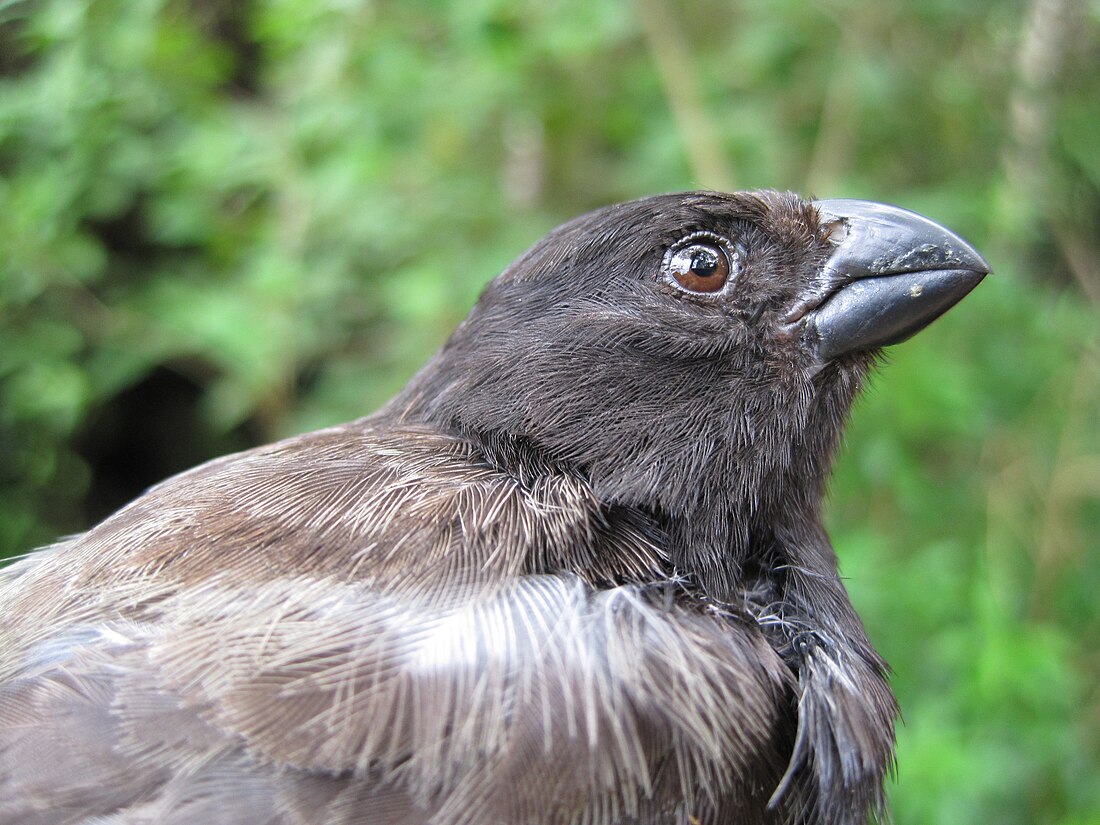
{"x":716,"y":539}
{"x":721,"y":456}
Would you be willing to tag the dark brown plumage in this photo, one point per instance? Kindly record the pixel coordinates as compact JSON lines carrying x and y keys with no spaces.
{"x":574,"y":573}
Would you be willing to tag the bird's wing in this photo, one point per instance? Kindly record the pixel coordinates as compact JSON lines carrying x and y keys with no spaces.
{"x":243,"y":694}
{"x":184,"y":664}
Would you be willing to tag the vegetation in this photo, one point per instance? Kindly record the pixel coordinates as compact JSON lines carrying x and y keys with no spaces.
{"x":225,"y":222}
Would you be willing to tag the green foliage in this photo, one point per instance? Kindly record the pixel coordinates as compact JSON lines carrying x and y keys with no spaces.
{"x":228,"y":222}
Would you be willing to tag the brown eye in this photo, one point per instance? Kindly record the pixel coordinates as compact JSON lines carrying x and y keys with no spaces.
{"x":699,"y":263}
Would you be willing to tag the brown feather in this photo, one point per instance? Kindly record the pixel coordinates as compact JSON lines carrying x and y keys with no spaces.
{"x":574,"y":574}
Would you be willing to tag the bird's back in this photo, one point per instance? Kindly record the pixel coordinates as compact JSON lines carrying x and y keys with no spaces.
{"x":375,"y":624}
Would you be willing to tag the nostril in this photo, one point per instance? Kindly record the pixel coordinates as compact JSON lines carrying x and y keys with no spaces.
{"x":836,"y":231}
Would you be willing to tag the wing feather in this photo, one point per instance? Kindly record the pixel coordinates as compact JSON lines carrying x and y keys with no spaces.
{"x":390,"y":629}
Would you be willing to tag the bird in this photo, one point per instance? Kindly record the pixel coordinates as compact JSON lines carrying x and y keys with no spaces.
{"x":574,"y":572}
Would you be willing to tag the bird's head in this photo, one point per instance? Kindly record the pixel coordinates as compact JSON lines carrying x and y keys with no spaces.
{"x":697,"y":353}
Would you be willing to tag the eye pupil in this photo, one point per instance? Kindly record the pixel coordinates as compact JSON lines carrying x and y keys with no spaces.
{"x":704,"y":262}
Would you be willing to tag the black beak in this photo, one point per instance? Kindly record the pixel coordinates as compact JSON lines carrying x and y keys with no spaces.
{"x":892,"y":274}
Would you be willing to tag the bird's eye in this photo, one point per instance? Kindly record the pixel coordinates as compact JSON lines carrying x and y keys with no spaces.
{"x":700,"y":263}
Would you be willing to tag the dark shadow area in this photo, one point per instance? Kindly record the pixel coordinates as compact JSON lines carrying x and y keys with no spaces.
{"x":149,"y":432}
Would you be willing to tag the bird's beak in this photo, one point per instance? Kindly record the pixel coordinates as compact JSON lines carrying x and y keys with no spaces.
{"x":893,"y":272}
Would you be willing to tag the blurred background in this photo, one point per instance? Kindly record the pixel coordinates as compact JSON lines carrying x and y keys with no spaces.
{"x":228,"y":221}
